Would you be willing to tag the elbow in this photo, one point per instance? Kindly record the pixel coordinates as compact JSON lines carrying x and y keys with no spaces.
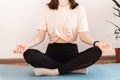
{"x":41,"y":39}
{"x":83,"y":36}
{"x":41,"y":36}
{"x":82,"y":39}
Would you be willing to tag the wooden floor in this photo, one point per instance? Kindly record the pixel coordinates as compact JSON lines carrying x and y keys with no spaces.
{"x":21,"y":62}
{"x":99,"y":62}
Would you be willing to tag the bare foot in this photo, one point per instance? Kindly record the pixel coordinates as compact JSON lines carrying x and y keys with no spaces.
{"x":81,"y":71}
{"x":45,"y":71}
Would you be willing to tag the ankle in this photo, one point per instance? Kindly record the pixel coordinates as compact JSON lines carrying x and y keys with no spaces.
{"x":56,"y":71}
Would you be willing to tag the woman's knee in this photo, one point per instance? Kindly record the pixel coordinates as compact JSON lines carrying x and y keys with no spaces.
{"x":27,"y":53}
{"x":97,"y":51}
{"x":30,"y":54}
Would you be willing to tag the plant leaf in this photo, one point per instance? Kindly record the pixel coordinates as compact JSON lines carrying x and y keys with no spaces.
{"x":115,"y":8}
{"x":116,"y":15}
{"x":117,"y":4}
{"x":114,"y":24}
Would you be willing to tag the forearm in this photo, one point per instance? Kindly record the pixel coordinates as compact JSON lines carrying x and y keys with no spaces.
{"x":35,"y":41}
{"x":84,"y":37}
{"x":39,"y":38}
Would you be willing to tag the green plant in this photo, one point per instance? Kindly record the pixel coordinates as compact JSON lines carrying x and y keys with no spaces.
{"x":117,"y":9}
{"x":117,"y":29}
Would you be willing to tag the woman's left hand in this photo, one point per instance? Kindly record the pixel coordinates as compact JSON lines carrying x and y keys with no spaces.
{"x":105,"y":47}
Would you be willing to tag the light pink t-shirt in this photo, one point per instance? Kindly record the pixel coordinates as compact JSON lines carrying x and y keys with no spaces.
{"x":64,"y":23}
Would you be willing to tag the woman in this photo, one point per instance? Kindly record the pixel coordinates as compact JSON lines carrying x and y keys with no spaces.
{"x":63,"y":20}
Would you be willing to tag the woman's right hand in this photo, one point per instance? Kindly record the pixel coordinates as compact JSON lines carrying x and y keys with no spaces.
{"x":20,"y":48}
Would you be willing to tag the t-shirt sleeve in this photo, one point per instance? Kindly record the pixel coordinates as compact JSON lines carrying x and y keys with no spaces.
{"x":42,"y":23}
{"x":82,"y":24}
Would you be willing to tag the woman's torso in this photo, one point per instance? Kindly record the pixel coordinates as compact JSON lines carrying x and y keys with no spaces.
{"x":63,"y":24}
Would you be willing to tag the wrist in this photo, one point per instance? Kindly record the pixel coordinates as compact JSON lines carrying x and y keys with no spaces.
{"x":27,"y":46}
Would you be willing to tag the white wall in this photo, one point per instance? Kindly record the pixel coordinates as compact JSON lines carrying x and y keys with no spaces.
{"x":19,"y":18}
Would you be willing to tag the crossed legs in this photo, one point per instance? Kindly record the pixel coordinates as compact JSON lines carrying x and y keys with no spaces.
{"x":47,"y":66}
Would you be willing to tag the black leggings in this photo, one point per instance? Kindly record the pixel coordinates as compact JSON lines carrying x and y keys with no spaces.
{"x":63,"y":56}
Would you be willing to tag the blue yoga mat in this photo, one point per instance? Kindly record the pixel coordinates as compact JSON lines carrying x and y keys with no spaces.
{"x":96,"y":72}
